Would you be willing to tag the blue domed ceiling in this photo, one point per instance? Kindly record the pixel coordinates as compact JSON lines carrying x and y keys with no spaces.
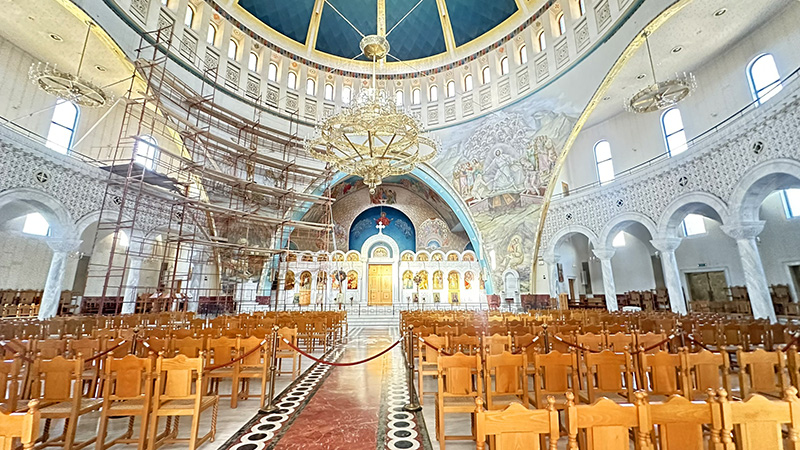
{"x":419,"y":35}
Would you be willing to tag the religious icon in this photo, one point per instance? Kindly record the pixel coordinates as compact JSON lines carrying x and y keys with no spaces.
{"x":454,"y":297}
{"x":415,"y":297}
{"x":352,"y":280}
{"x":423,"y":279}
{"x":437,"y":297}
{"x":305,"y":281}
{"x":438,"y":280}
{"x":408,"y":282}
{"x":452,"y":281}
{"x":383,"y":220}
{"x":468,"y":279}
{"x":289,"y":283}
{"x":560,"y":270}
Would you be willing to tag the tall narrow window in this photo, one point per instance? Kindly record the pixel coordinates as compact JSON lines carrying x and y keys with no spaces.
{"x":233,"y":49}
{"x":398,"y":98}
{"x":468,"y":82}
{"x":581,"y":8}
{"x":523,"y":54}
{"x":188,"y":19}
{"x":433,"y":93}
{"x":272,"y":72}
{"x":252,"y":62}
{"x":415,"y":96}
{"x":291,"y":80}
{"x":674,"y":134}
{"x":765,"y":81}
{"x":146,"y":152}
{"x":486,"y":75}
{"x":541,"y":40}
{"x":562,"y":24}
{"x":450,"y":90}
{"x":347,"y":95}
{"x":211,"y":37}
{"x":693,"y":225}
{"x":504,"y":66}
{"x":36,"y":225}
{"x":311,"y":87}
{"x":605,"y":167}
{"x":328,"y":92}
{"x":791,"y":202}
{"x":62,"y":127}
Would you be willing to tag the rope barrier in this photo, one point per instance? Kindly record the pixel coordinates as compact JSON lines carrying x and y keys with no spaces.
{"x":347,"y":364}
{"x":525,"y":347}
{"x":791,"y":343}
{"x":20,"y":353}
{"x":695,"y":341}
{"x":578,"y":346}
{"x":105,"y":352}
{"x":437,"y":349}
{"x":235,"y":360}
{"x":659,"y":344}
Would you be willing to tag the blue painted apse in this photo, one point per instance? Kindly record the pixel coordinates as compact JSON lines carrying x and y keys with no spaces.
{"x":400,"y":228}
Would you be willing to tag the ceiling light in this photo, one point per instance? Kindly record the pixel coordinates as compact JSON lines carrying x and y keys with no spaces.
{"x":661,"y":95}
{"x":677,"y":49}
{"x":641,"y":76}
{"x":56,"y":37}
{"x":606,"y":98}
{"x":100,"y":68}
{"x":720,"y":12}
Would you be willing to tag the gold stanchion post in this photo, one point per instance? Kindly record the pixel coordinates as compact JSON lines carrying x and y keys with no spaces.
{"x":273,"y":372}
{"x":412,"y":405}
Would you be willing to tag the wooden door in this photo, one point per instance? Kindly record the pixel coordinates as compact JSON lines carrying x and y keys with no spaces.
{"x":572,"y":289}
{"x":380,"y":284}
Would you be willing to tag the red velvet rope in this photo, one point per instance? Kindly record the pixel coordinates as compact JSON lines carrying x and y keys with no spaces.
{"x":580,"y":347}
{"x":235,"y":360}
{"x":439,"y":350}
{"x":347,"y":364}
{"x":105,"y":352}
{"x":791,"y":343}
{"x":525,"y":347}
{"x":659,"y":344}
{"x":695,"y":341}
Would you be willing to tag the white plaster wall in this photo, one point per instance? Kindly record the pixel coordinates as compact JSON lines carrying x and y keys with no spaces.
{"x":633,"y":269}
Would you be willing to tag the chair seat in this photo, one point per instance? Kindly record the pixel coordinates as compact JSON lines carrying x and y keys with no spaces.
{"x":467,"y":403}
{"x":251,"y":371}
{"x":170,"y":407}
{"x":126,"y":406}
{"x":65,"y":408}
{"x":502,"y":401}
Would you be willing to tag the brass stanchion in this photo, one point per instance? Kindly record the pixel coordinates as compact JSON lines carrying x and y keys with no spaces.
{"x":273,"y":372}
{"x":413,"y":405}
{"x":546,"y":338}
{"x":682,"y":335}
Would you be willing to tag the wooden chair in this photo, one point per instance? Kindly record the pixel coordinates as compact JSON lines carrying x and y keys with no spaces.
{"x":466,"y":344}
{"x":224,"y":351}
{"x":179,"y":392}
{"x":554,"y":374}
{"x":506,"y":380}
{"x":286,"y":352}
{"x":704,"y":370}
{"x":620,"y":342}
{"x":757,"y":422}
{"x":660,"y":373}
{"x":127,"y":392}
{"x":605,"y":425}
{"x":609,"y":373}
{"x":495,"y":344}
{"x":516,"y":427}
{"x":88,"y":347}
{"x":23,"y":426}
{"x":187,"y":346}
{"x":428,"y":361}
{"x":460,"y":384}
{"x":57,"y":384}
{"x":254,"y":365}
{"x":761,"y":372}
{"x":594,"y":342}
{"x":10,"y":383}
{"x":679,"y":422}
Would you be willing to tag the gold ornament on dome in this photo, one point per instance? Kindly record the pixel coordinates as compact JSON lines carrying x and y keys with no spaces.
{"x":372,"y":138}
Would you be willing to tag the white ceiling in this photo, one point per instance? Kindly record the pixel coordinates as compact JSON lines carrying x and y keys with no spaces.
{"x":702,"y":36}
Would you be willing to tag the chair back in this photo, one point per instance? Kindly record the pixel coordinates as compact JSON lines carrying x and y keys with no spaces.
{"x":128,"y":378}
{"x":758,"y":422}
{"x":428,"y":355}
{"x":9,"y":383}
{"x":57,"y":379}
{"x":22,"y":426}
{"x":509,"y":372}
{"x":761,"y":371}
{"x":516,"y":427}
{"x":459,"y":375}
{"x":179,"y":378}
{"x":609,"y":372}
{"x":606,"y":425}
{"x":660,"y":373}
{"x":256,"y":356}
{"x":188,"y":346}
{"x":679,"y":422}
{"x":704,"y":370}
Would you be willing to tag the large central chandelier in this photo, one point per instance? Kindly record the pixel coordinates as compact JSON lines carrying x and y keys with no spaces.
{"x":661,"y":94}
{"x":372,"y":138}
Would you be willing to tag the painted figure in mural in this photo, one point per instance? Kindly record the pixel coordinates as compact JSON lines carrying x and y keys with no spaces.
{"x":352,"y":280}
{"x":289,"y":283}
{"x":514,"y":256}
{"x":305,"y":280}
{"x":423,"y":282}
{"x":452,"y":281}
{"x":408,"y":283}
{"x":503,"y":171}
{"x":383,"y":220}
{"x":469,"y":277}
{"x":391,"y":197}
{"x":437,"y":280}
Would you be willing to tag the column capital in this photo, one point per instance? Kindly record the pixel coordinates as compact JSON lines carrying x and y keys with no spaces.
{"x":744,"y":230}
{"x":666,"y":244}
{"x":604,"y":253}
{"x":64,"y":245}
{"x":551,"y":258}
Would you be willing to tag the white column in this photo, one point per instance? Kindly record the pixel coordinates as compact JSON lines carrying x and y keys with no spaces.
{"x":55,"y":276}
{"x":194,"y":285}
{"x":756,"y":281}
{"x":666,"y":247}
{"x":552,"y":274}
{"x":131,"y":285}
{"x":609,"y":288}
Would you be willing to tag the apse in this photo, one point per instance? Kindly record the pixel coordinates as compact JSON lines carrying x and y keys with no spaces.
{"x":396,"y":225}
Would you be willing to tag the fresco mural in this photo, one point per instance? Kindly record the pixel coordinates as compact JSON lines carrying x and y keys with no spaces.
{"x":501,"y":165}
{"x":392,"y":222}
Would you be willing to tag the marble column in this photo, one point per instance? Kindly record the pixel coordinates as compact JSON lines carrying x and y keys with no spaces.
{"x":55,"y":276}
{"x":609,"y":288}
{"x":552,"y":274}
{"x":756,"y":281}
{"x":194,"y":285}
{"x":131,"y":286}
{"x":666,"y":247}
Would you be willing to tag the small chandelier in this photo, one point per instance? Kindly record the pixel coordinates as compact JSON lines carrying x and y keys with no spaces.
{"x":661,"y":94}
{"x":372,"y":138}
{"x":67,"y":86}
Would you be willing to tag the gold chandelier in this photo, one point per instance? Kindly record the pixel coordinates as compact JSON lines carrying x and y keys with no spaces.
{"x":372,"y":138}
{"x":661,"y":94}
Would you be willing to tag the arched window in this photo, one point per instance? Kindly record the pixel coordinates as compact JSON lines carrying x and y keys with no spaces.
{"x":619,"y":240}
{"x":486,"y":75}
{"x":674,"y":134}
{"x":602,"y":157}
{"x":146,"y":149}
{"x":252,"y":62}
{"x":581,"y":8}
{"x":541,"y":40}
{"x":62,"y":126}
{"x":791,"y":202}
{"x":562,"y":24}
{"x":468,"y":82}
{"x":188,"y":19}
{"x":272,"y":72}
{"x":765,"y":81}
{"x":311,"y":87}
{"x":211,"y":37}
{"x":433,"y":93}
{"x":450,"y":89}
{"x":233,"y":48}
{"x":36,"y":225}
{"x":291,"y":80}
{"x":523,"y":54}
{"x":328,"y":92}
{"x":415,"y":96}
{"x":693,"y":225}
{"x":398,"y":98}
{"x":347,"y":95}
{"x":504,"y":66}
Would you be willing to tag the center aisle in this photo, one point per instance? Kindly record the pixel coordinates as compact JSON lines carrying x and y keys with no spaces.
{"x":353,"y":407}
